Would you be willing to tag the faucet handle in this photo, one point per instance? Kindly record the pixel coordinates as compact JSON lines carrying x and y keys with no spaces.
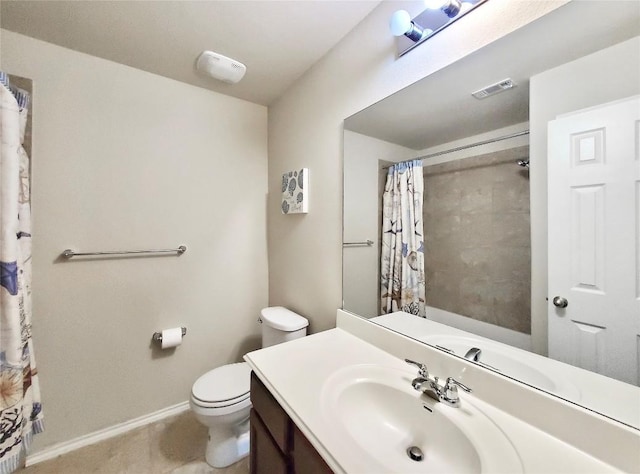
{"x":422,"y":369}
{"x":452,"y":383}
{"x":449,"y":393}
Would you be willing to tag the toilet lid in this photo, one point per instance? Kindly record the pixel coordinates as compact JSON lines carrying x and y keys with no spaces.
{"x":224,"y":383}
{"x":283,"y":319}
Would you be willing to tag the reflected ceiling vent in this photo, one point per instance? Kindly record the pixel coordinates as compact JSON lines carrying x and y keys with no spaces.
{"x":493,"y":89}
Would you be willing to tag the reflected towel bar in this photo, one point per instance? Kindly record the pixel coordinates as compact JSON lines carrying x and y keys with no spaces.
{"x":366,"y":243}
{"x":68,"y":253}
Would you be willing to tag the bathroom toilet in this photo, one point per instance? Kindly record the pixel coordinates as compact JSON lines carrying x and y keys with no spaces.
{"x":220,"y":398}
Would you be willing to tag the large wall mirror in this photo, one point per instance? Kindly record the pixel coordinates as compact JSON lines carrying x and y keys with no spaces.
{"x":529,"y":216}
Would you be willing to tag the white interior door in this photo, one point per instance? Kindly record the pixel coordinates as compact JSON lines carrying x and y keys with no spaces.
{"x":594,"y":239}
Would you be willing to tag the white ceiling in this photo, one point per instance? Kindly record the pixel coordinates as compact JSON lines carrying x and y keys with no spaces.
{"x":440,"y":109}
{"x":277,"y":40}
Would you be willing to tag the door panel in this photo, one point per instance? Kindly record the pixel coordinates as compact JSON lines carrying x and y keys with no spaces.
{"x":594,"y":238}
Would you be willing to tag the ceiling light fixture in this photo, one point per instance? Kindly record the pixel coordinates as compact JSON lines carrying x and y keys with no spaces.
{"x":401,"y":24}
{"x":450,"y":7}
{"x":437,"y":15}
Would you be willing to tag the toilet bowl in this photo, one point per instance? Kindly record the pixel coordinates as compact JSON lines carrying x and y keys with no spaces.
{"x":220,"y":401}
{"x":220,"y":398}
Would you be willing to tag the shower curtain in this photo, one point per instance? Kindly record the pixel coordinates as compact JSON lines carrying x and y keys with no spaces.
{"x":402,"y":258}
{"x":20,"y":408}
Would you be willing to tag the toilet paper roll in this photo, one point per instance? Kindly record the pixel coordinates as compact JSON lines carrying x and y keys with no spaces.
{"x":171,"y":338}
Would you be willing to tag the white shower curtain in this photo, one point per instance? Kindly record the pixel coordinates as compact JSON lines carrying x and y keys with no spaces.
{"x":20,"y":408}
{"x":402,"y":259}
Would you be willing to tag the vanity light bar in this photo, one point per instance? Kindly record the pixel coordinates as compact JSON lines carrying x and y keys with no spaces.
{"x":493,"y":89}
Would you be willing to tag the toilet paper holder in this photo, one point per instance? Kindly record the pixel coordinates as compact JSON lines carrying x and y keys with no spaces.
{"x":157,"y":336}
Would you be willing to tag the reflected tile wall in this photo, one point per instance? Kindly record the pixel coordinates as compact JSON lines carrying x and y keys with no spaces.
{"x":477,"y":238}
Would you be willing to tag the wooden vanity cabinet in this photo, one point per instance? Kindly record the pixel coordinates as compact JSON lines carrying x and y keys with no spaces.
{"x":265,"y":455}
{"x":277,"y":445}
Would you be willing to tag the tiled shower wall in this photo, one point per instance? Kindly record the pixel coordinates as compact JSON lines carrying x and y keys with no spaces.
{"x":477,"y":238}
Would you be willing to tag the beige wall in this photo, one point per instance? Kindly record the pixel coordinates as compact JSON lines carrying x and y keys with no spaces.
{"x":127,"y":159}
{"x":124,"y":159}
{"x":305,"y":130}
{"x":362,"y":206}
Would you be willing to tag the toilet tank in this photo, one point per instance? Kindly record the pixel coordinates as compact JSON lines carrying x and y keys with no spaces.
{"x":280,"y":324}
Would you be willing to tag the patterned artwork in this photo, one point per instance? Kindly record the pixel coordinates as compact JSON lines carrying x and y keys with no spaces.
{"x":402,"y":271}
{"x":295,"y":192}
{"x":20,"y":408}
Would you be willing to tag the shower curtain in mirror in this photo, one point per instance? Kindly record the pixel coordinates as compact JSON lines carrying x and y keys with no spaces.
{"x":402,"y":258}
{"x":20,"y":409}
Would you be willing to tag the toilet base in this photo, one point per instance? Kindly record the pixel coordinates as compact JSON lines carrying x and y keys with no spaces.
{"x":224,"y":448}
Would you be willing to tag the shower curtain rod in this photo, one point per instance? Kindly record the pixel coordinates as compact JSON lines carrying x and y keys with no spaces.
{"x":464,"y":147}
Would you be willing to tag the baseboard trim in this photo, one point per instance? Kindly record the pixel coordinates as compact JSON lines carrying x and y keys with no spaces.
{"x":106,"y":433}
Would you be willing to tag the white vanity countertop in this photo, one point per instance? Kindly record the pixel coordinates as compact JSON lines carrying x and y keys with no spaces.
{"x":295,"y":373}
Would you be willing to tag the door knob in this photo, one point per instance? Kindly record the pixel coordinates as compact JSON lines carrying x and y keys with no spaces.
{"x":560,"y":302}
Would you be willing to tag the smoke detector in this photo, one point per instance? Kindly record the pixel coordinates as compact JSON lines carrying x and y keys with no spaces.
{"x":220,"y":67}
{"x":493,"y":89}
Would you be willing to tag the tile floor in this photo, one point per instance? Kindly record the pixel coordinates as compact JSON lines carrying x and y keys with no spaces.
{"x":172,"y":446}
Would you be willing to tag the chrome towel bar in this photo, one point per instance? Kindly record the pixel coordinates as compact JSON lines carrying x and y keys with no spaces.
{"x":366,"y":243}
{"x":68,"y":253}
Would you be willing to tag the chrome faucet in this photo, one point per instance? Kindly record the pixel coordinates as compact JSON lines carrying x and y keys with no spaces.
{"x":447,"y":393}
{"x":473,"y":354}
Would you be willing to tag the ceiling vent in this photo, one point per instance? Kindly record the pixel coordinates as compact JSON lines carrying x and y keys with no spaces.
{"x":494,"y":89}
{"x":221,"y":67}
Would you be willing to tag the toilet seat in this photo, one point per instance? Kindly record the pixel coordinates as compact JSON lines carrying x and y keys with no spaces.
{"x":223,"y":387}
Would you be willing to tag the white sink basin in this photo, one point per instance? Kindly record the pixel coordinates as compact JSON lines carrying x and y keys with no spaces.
{"x":379,"y":416}
{"x":508,"y":362}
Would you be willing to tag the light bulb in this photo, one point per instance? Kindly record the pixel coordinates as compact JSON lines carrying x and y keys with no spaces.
{"x":400,"y":22}
{"x":466,"y":6}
